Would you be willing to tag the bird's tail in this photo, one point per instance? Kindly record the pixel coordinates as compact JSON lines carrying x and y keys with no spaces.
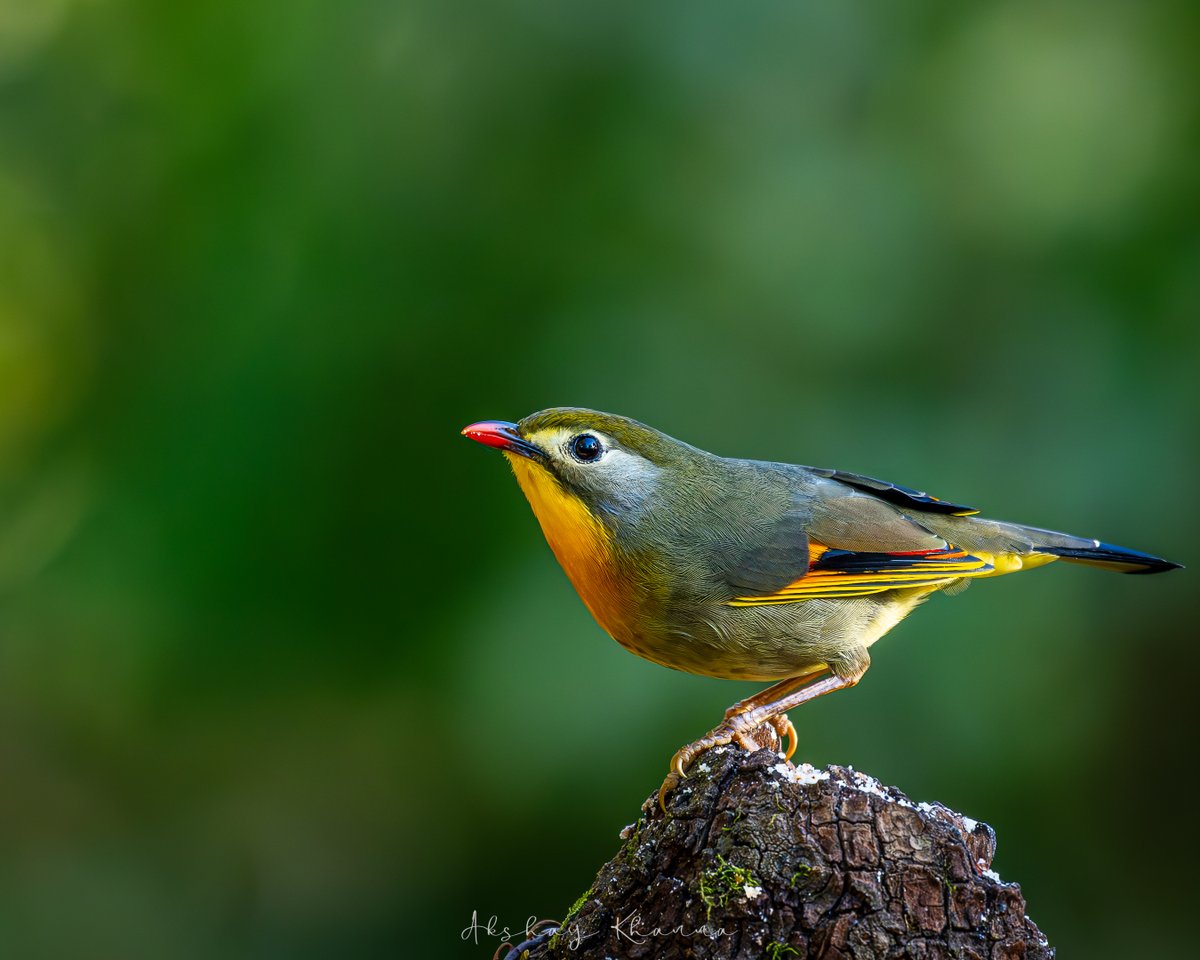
{"x":1095,"y":553}
{"x":1013,"y":546}
{"x":1110,"y":557}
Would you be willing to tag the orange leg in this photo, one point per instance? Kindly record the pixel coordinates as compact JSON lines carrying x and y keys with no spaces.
{"x":766,"y":707}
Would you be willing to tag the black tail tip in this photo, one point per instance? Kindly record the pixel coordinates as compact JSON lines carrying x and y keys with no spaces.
{"x":1121,"y":559}
{"x":1159,"y":566}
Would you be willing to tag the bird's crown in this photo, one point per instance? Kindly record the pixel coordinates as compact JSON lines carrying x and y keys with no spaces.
{"x":556,"y":425}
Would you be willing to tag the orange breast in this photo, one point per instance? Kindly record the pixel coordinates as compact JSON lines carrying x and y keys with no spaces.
{"x":581,"y":543}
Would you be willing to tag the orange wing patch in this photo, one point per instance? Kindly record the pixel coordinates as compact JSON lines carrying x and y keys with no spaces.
{"x":845,"y":573}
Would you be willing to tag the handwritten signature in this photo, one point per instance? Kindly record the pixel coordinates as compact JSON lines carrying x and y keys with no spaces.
{"x":631,"y":928}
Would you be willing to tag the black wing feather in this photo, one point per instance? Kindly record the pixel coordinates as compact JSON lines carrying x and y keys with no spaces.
{"x":894,"y":493}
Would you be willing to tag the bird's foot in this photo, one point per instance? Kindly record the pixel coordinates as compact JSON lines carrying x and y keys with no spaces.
{"x":733,"y":729}
{"x":781,"y":723}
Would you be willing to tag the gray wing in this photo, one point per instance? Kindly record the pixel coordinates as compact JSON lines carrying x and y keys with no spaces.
{"x":826,"y":514}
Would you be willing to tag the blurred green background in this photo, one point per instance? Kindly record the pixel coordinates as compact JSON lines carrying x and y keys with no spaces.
{"x":286,"y":669}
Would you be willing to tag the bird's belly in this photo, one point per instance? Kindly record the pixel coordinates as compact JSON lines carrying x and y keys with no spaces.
{"x":898,"y":606}
{"x":769,"y":642}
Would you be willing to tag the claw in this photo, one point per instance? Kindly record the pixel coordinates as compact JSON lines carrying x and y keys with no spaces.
{"x":733,"y":729}
{"x":683,"y":758}
{"x":769,"y":706}
{"x":669,"y":784}
{"x":674,"y":776}
{"x":783,"y":726}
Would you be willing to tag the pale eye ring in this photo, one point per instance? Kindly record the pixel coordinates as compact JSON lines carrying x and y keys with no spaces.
{"x":586,"y":448}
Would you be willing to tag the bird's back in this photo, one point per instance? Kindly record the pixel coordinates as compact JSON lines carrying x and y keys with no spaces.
{"x":760,"y":570}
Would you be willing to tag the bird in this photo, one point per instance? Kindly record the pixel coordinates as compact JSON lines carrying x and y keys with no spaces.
{"x":752,"y":570}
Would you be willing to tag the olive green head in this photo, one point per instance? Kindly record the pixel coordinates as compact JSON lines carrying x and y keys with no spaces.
{"x":611,"y":463}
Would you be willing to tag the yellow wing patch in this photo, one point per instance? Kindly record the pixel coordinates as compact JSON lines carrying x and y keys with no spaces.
{"x":843,"y":573}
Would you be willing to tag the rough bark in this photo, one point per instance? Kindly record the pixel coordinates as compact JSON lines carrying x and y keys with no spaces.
{"x":757,"y":858}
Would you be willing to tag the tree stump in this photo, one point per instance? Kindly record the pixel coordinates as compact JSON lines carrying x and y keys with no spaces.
{"x":757,"y":858}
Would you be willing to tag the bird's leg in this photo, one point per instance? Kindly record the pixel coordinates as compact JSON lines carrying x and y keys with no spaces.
{"x":761,"y":708}
{"x":774,"y":692}
{"x":767,"y":711}
{"x":783,"y":726}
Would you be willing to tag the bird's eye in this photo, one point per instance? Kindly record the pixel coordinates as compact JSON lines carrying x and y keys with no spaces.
{"x":585,"y":448}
